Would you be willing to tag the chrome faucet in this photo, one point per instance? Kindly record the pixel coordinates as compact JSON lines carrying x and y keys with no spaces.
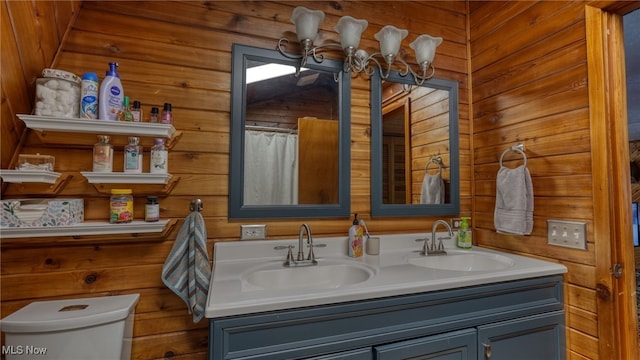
{"x":301,"y":261}
{"x":433,"y":249}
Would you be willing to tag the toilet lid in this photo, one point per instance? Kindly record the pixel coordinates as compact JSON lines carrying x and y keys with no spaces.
{"x":43,"y":316}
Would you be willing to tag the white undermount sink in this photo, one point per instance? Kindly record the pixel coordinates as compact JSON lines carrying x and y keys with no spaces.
{"x":465,"y":260}
{"x":327,"y":274}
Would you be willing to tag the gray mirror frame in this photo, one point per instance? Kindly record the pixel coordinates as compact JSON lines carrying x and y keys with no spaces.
{"x":237,"y":209}
{"x":378,"y":208}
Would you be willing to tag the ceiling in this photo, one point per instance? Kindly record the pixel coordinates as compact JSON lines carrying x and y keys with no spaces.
{"x":631,"y":24}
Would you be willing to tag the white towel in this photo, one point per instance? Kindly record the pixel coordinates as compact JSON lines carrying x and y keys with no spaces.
{"x":514,"y":201}
{"x":432,"y":189}
{"x":187,"y":270}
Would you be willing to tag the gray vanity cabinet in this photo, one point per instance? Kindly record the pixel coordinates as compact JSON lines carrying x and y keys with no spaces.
{"x":456,"y":345}
{"x":530,"y":338}
{"x":521,"y":319}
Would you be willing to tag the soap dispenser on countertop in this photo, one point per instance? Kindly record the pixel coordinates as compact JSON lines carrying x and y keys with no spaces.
{"x":464,"y":234}
{"x":356,"y":238}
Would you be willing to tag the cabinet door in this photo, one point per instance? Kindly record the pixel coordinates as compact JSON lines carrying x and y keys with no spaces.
{"x":530,"y":338}
{"x":456,"y":345}
{"x":358,"y":354}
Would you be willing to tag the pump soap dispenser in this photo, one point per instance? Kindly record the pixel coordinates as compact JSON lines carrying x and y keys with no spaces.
{"x":464,"y":234}
{"x":356,"y":238}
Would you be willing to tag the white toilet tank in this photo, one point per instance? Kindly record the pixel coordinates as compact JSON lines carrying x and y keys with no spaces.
{"x":97,"y":328}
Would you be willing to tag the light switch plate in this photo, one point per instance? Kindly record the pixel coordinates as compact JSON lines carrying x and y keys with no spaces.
{"x":253,"y":232}
{"x":571,"y":234}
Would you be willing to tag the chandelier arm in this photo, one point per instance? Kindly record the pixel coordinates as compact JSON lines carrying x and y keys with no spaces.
{"x":282,"y":49}
{"x":369,"y":68}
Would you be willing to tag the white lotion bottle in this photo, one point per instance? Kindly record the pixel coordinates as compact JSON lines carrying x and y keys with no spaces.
{"x":111,"y":95}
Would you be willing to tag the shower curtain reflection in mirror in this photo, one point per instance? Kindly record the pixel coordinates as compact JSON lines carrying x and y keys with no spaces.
{"x":270,"y":168}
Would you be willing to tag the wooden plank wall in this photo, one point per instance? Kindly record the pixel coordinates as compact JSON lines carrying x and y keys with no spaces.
{"x":32,"y":31}
{"x":180,"y":52}
{"x":529,"y":74}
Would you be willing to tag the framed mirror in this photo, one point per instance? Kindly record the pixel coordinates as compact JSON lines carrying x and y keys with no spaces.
{"x":290,"y":137}
{"x":414,"y":147}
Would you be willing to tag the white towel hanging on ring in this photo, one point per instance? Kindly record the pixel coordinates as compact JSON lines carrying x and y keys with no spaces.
{"x":514,"y":197}
{"x":433,"y":190}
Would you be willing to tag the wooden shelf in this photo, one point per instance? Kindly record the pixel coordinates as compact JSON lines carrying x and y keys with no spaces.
{"x":49,"y":123}
{"x":29,"y":176}
{"x":88,"y":228}
{"x":125,"y":178}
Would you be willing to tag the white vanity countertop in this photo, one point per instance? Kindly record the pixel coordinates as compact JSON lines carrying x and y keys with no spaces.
{"x":393,"y":274}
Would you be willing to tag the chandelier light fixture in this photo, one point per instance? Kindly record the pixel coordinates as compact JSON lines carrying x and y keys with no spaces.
{"x":358,"y":60}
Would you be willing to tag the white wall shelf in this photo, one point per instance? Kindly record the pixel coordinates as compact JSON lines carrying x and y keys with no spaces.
{"x":29,"y":176}
{"x":86,"y":228}
{"x":125,"y":178}
{"x":44,"y":123}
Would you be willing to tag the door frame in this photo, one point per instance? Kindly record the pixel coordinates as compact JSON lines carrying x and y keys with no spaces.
{"x":615,"y":295}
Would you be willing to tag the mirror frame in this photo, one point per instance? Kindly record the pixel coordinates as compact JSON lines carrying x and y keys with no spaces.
{"x":237,"y":210}
{"x":378,"y":208}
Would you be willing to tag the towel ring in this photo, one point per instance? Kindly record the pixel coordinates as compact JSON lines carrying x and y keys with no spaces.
{"x":519,"y":148}
{"x":438,"y":161}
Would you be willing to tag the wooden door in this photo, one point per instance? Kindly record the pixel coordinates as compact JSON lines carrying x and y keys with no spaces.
{"x":318,"y":161}
{"x":615,"y":265}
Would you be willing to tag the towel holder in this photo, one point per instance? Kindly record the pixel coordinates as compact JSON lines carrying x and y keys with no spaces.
{"x":519,"y":148}
{"x":196,"y":205}
{"x":437,"y":160}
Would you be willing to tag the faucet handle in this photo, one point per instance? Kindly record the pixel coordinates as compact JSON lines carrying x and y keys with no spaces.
{"x":289,"y":259}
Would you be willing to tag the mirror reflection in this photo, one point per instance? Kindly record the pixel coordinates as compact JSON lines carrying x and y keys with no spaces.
{"x":415,"y":137}
{"x":288,"y":128}
{"x":291,"y":136}
{"x":414,"y":147}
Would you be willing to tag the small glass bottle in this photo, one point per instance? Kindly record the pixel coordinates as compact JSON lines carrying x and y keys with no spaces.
{"x":125,"y":114}
{"x":103,"y":155}
{"x":136,"y":111}
{"x":152,"y":209}
{"x":133,"y":156}
{"x":167,"y":117}
{"x":159,"y":158}
{"x":155,"y":113}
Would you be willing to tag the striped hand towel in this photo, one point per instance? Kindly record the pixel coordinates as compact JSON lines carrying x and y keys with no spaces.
{"x":187,"y":270}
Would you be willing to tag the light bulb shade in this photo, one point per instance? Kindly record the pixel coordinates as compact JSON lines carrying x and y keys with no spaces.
{"x":425,"y":48}
{"x":390,"y":38}
{"x":307,"y":22}
{"x":350,"y":31}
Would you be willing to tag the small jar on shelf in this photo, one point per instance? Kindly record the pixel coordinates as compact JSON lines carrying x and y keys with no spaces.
{"x":159,"y":158}
{"x":155,"y":115}
{"x":121,"y":206}
{"x":152,"y":209}
{"x":133,"y":156}
{"x":103,"y":155}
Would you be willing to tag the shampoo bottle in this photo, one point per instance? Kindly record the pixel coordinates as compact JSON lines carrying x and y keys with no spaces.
{"x":111,"y":94}
{"x":356,"y":238}
{"x":464,"y":234}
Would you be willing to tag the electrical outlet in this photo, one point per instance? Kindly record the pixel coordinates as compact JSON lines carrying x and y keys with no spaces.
{"x":570,"y":234}
{"x":455,"y":223}
{"x":253,"y":232}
